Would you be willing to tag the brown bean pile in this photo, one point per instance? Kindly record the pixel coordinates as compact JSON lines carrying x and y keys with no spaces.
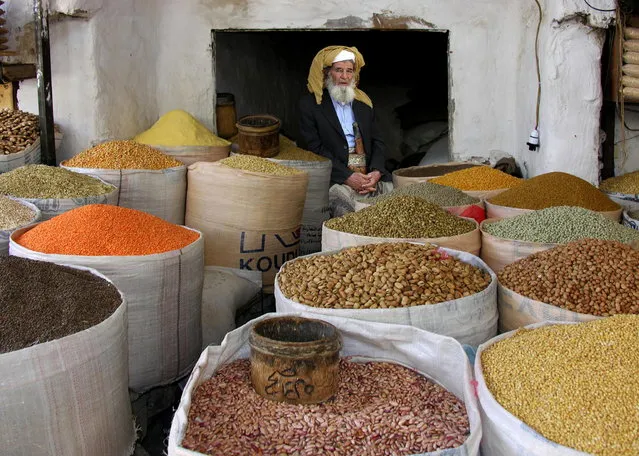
{"x":577,"y":385}
{"x":18,"y":130}
{"x":379,"y":276}
{"x":590,"y":276}
{"x":379,"y":409}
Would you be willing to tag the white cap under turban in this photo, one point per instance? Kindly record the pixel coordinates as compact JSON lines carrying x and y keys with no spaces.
{"x":344,"y":55}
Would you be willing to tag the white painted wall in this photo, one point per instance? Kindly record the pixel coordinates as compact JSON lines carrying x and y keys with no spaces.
{"x":132,"y":60}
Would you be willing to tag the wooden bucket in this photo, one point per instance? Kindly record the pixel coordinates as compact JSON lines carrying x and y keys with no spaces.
{"x":259,"y":135}
{"x":295,"y":359}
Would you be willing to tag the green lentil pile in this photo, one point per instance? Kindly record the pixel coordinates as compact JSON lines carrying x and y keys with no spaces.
{"x":122,"y":155}
{"x":589,"y":276}
{"x":379,"y":276}
{"x":559,"y":225}
{"x":42,"y":181}
{"x":258,"y":165}
{"x":440,"y":195}
{"x":402,"y":217}
{"x":577,"y":385}
{"x":13,"y":214}
{"x":628,"y":183}
{"x":555,"y":189}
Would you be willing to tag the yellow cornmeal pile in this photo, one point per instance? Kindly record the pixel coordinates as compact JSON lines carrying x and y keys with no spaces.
{"x":628,"y":183}
{"x":289,"y":151}
{"x":555,"y":189}
{"x":258,"y":165}
{"x":179,"y":128}
{"x":478,"y":178}
{"x":577,"y":385}
{"x":122,"y":155}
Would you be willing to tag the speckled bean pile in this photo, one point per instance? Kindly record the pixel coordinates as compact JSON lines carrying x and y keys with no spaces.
{"x":379,"y":409}
{"x":577,"y":385}
{"x":440,"y":195}
{"x":590,"y":276}
{"x":560,"y":225}
{"x":258,"y":165}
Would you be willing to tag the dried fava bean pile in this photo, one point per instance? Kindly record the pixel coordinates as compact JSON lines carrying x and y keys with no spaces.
{"x":122,"y":155}
{"x":100,"y":229}
{"x":258,"y":165}
{"x":478,"y":178}
{"x":43,"y":301}
{"x":18,"y":130}
{"x":179,"y":128}
{"x":14,"y":214}
{"x":555,"y":189}
{"x":42,"y":181}
{"x":402,"y":217}
{"x":577,"y":385}
{"x":560,"y":225}
{"x":379,"y":409}
{"x":377,"y":276}
{"x":589,"y":276}
{"x":440,"y":195}
{"x":289,"y":151}
{"x":627,"y":183}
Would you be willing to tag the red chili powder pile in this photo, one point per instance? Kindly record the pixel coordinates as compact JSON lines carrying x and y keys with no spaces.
{"x":101,"y":229}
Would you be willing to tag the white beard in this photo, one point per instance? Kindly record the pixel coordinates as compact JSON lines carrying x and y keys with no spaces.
{"x":343,"y":94}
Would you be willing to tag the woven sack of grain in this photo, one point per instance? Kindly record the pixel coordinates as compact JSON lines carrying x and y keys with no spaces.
{"x":191,"y":154}
{"x":6,"y":234}
{"x":628,"y":201}
{"x":411,"y":347}
{"x":630,"y":221}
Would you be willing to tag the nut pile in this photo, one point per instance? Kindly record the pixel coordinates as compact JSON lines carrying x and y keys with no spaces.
{"x":478,"y":178}
{"x":379,"y":409}
{"x":555,"y":189}
{"x":627,"y":183}
{"x":18,"y":130}
{"x":14,"y":214}
{"x":406,"y":217}
{"x":561,"y":224}
{"x":379,"y":276}
{"x":42,"y":181}
{"x":440,"y":195}
{"x":122,"y":155}
{"x":258,"y":165}
{"x":577,"y":385}
{"x":589,"y":276}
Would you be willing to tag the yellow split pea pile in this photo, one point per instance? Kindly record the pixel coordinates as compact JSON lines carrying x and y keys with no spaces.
{"x":377,"y":276}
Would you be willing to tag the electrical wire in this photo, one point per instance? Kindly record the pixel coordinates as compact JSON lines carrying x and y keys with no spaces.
{"x":537,"y":65}
{"x":599,"y":9}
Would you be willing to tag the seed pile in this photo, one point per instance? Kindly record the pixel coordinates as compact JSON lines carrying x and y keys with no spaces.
{"x":43,"y":301}
{"x":14,"y":214}
{"x":478,"y":178}
{"x":402,"y":217}
{"x":628,"y":183}
{"x":179,"y":128}
{"x":42,"y":181}
{"x":634,"y":214}
{"x":122,"y":155}
{"x":100,"y":229}
{"x":440,"y":195}
{"x":577,"y":385}
{"x":378,"y":276}
{"x":555,"y":189}
{"x":289,"y":151}
{"x":589,"y":276}
{"x":258,"y":165}
{"x":561,"y":224}
{"x":18,"y":130}
{"x":379,"y":409}
{"x":431,"y":171}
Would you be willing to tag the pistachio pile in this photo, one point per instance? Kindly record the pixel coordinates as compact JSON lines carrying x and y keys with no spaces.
{"x":379,"y":276}
{"x":440,"y":195}
{"x":406,"y":217}
{"x":18,"y":130}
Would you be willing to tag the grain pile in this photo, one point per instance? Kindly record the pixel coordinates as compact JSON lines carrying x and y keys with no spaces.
{"x":560,"y":225}
{"x":258,"y":165}
{"x":627,"y":183}
{"x":379,"y":409}
{"x":440,"y":195}
{"x":179,"y":128}
{"x":43,"y":182}
{"x":289,"y":151}
{"x":406,"y":217}
{"x":577,"y":385}
{"x":478,"y":178}
{"x":589,"y":276}
{"x":14,"y":214}
{"x":18,"y":130}
{"x":122,"y":155}
{"x":378,"y":276}
{"x":634,"y":214}
{"x":555,"y":189}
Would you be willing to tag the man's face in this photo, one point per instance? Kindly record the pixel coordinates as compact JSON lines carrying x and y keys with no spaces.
{"x":342,"y":73}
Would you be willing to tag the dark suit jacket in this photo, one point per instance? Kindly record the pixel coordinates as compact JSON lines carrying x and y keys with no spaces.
{"x":321,"y":132}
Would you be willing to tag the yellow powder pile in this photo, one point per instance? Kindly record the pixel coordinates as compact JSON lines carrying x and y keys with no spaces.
{"x":478,"y":178}
{"x":179,"y":128}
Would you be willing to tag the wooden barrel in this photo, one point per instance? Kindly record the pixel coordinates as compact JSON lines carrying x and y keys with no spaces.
{"x":295,"y":359}
{"x":225,"y":115}
{"x":259,"y":135}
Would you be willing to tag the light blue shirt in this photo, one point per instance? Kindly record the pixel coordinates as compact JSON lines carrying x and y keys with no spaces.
{"x":346,"y":118}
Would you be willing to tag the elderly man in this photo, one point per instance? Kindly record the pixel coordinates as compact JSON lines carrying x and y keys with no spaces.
{"x":337,"y":121}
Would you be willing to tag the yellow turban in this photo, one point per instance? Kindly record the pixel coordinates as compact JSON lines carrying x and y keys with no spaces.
{"x":325,"y":58}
